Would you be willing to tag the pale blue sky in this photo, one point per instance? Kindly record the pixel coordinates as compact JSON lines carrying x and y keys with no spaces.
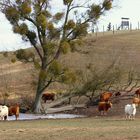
{"x":123,"y":8}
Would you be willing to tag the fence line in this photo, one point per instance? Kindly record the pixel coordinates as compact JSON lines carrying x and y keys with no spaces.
{"x":115,"y":29}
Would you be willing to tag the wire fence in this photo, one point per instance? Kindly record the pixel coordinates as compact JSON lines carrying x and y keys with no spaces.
{"x":115,"y":29}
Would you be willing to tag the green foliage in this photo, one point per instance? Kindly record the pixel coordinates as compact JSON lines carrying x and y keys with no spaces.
{"x":69,"y":77}
{"x":46,"y":13}
{"x":43,"y":75}
{"x":80,"y":30}
{"x":21,"y":29}
{"x":31,"y":35}
{"x":107,"y":5}
{"x":13,"y":60}
{"x":95,"y":11}
{"x":25,"y":56}
{"x":58,"y":16}
{"x":55,"y":68}
{"x":70,"y":25}
{"x":37,"y":64}
{"x":20,"y":54}
{"x":41,"y":1}
{"x":16,"y":29}
{"x":41,"y":21}
{"x":5,"y":54}
{"x":66,"y":2}
{"x":50,"y":26}
{"x":54,"y":34}
{"x":65,"y":47}
{"x":18,"y":1}
{"x":75,"y":43}
{"x":95,"y":81}
{"x":12,"y":14}
{"x":49,"y":48}
{"x":25,"y":8}
{"x":36,"y":9}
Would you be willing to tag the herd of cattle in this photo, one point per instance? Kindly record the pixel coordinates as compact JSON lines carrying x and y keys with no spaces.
{"x":9,"y":111}
{"x":103,"y":106}
{"x":130,"y":109}
{"x":15,"y":110}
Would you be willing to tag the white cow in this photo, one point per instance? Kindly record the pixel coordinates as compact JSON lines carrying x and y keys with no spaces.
{"x":3,"y":112}
{"x":130,"y":111}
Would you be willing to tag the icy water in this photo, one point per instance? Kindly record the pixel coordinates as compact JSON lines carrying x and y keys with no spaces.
{"x":23,"y":116}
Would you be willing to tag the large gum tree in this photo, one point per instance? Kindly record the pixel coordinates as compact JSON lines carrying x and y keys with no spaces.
{"x":52,"y":32}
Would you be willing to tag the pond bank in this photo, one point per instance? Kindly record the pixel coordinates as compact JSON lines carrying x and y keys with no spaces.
{"x":24,"y":116}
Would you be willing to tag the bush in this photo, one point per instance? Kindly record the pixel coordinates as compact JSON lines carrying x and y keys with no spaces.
{"x":26,"y":56}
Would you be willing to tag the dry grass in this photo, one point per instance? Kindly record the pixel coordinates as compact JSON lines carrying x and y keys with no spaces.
{"x":71,"y":129}
{"x":124,"y":47}
{"x":100,"y":51}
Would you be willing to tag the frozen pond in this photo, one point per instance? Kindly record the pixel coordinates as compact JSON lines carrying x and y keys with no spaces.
{"x":23,"y":116}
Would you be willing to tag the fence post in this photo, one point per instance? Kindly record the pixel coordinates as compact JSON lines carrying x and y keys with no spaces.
{"x":113,"y":30}
{"x":103,"y":29}
{"x":96,"y":31}
{"x":130,"y":27}
{"x":116,"y":27}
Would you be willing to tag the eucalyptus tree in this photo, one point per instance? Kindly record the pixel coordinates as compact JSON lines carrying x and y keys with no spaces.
{"x":52,"y":33}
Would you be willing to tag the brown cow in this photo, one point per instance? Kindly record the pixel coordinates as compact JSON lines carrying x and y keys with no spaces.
{"x":14,"y":110}
{"x":48,"y":96}
{"x":136,"y":101}
{"x":137,"y":93}
{"x":105,"y":96}
{"x":103,"y":107}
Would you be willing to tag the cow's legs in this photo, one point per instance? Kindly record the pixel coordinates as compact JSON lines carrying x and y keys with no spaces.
{"x":6,"y":117}
{"x":126,"y":116}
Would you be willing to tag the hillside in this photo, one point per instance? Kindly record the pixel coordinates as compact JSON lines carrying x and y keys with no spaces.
{"x":124,"y":47}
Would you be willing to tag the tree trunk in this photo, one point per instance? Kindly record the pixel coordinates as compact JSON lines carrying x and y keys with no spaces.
{"x":64,"y":108}
{"x":57,"y":102}
{"x":37,"y":108}
{"x":37,"y":104}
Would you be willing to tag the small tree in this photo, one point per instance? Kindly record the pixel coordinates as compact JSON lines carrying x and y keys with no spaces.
{"x":25,"y":56}
{"x":96,"y":81}
{"x":51,"y":33}
{"x":109,"y":27}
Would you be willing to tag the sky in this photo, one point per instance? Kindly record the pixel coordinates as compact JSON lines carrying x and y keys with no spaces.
{"x":121,"y":8}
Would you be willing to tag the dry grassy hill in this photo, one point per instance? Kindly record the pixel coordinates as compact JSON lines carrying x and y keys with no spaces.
{"x":99,"y":51}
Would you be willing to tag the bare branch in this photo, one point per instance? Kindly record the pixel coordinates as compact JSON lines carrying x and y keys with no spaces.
{"x":36,"y":48}
{"x":49,"y":82}
{"x":78,"y":6}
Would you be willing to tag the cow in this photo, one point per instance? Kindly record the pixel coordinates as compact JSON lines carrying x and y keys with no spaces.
{"x":105,"y":96}
{"x":48,"y":96}
{"x":103,"y":107}
{"x":14,"y":110}
{"x":137,"y":93}
{"x":130,"y":111}
{"x":3,"y":112}
{"x":136,"y":101}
